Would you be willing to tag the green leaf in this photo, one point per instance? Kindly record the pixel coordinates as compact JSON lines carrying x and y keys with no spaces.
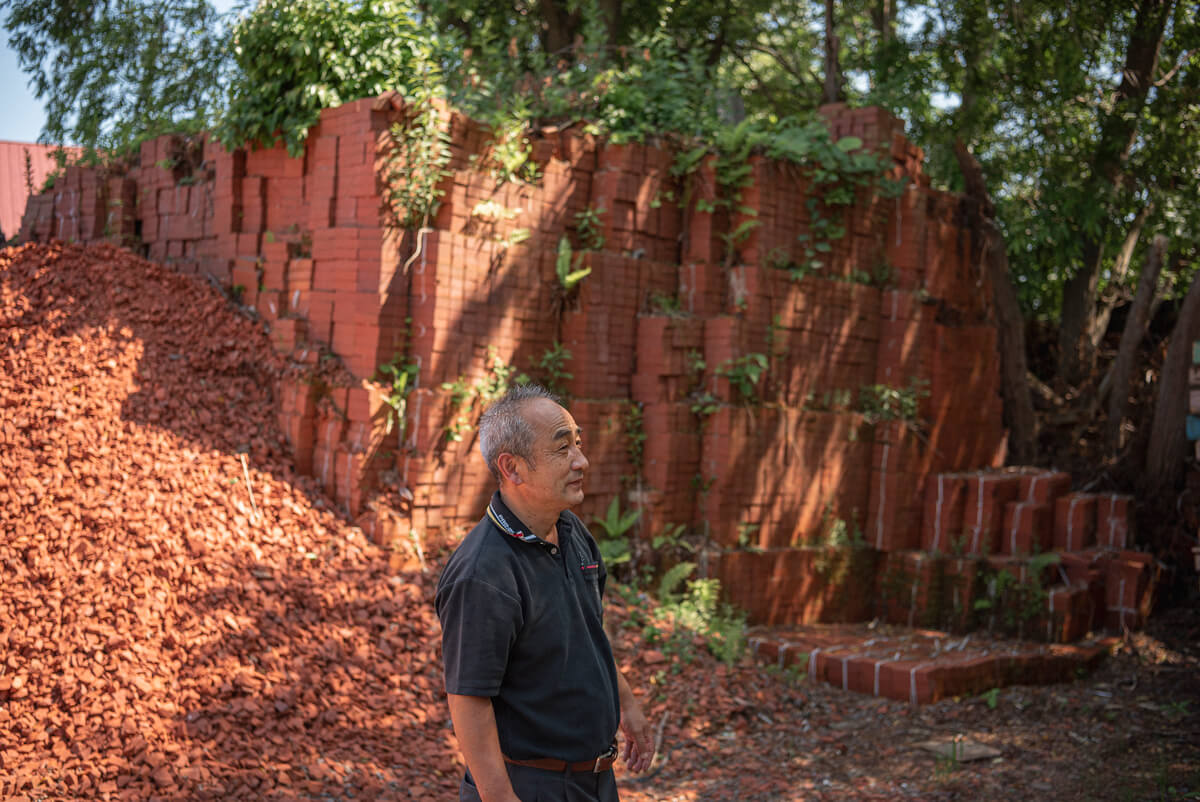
{"x":672,"y":578}
{"x":562,"y":264}
{"x":573,"y":278}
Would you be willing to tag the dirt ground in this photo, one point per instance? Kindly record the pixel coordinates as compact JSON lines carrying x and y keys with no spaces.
{"x":184,"y":617}
{"x":1128,"y":731}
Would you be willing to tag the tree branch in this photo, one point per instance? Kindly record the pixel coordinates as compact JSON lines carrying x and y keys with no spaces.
{"x":770,"y":93}
{"x":1183,"y":58}
{"x":807,"y":76}
{"x":1120,"y":270}
{"x":1118,"y":132}
{"x":1131,"y":338}
{"x":834,"y":92}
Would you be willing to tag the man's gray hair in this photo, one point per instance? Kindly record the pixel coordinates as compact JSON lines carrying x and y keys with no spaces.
{"x":503,"y":429}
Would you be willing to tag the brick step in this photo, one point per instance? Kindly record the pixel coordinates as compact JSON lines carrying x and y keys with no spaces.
{"x":921,"y":666}
{"x":1059,"y":600}
{"x":1019,"y":511}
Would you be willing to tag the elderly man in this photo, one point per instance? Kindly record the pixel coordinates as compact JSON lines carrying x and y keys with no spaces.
{"x":534,"y":694}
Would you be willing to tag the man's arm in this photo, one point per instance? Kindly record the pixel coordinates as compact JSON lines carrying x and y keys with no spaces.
{"x":475,"y":727}
{"x":639,"y":742}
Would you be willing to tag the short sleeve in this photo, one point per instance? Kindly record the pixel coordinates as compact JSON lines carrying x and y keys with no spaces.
{"x":479,"y":627}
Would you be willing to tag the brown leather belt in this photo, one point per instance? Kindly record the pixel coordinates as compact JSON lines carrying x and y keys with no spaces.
{"x":597,"y":766}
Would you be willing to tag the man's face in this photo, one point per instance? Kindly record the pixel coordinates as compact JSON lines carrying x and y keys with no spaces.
{"x":553,"y":479}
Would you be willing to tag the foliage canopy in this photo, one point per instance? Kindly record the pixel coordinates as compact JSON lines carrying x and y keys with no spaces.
{"x":295,"y":57}
{"x":1085,"y":118}
{"x":111,"y":72}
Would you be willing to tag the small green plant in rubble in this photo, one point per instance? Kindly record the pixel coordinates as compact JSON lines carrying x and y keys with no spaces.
{"x":635,"y":438}
{"x":672,"y":537}
{"x":552,"y":367}
{"x":1012,"y":603}
{"x":661,"y":303}
{"x":460,"y":392}
{"x":512,"y":156}
{"x":499,"y":378}
{"x":614,"y":528}
{"x":590,"y":229}
{"x":466,"y":399}
{"x":744,"y":373}
{"x":402,"y":378}
{"x":698,"y":610}
{"x":565,"y":267}
{"x":880,"y":403}
{"x":704,"y":404}
{"x":745,"y":536}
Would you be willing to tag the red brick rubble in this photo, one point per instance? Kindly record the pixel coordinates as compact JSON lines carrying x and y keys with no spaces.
{"x":163,"y":634}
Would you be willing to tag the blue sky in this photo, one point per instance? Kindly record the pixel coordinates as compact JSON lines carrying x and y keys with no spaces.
{"x":23,"y":115}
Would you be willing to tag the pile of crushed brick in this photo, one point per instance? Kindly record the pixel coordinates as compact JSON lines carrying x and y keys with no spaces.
{"x":168,"y":630}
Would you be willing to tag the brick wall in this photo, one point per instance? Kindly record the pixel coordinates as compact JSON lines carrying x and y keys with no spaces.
{"x":307,"y":243}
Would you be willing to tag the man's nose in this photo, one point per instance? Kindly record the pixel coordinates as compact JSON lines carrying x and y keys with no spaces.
{"x":580,"y":462}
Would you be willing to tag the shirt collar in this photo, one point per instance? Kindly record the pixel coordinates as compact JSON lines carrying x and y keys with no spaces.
{"x":504,"y":519}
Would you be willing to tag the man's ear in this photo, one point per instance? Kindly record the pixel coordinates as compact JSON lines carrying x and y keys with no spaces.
{"x":509,"y":468}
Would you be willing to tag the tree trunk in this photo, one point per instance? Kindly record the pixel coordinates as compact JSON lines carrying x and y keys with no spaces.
{"x":559,"y":27}
{"x":610,"y":12}
{"x":716,"y":47}
{"x":883,"y":17}
{"x":993,"y":257}
{"x":1118,"y":131}
{"x":1078,"y":308}
{"x":833,"y":72}
{"x":1120,"y":271}
{"x":1168,"y":436}
{"x":1131,"y":338}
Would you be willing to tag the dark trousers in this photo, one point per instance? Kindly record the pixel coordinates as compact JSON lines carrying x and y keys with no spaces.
{"x":539,"y":785}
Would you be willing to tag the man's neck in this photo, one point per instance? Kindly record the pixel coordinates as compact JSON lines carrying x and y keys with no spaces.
{"x":542,"y":523}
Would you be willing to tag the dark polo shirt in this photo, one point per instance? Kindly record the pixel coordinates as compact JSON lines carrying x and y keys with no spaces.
{"x":522,"y":624}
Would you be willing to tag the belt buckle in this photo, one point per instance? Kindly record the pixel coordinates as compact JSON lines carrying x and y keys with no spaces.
{"x":609,"y":754}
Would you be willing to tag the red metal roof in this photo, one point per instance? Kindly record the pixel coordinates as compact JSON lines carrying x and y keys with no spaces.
{"x":13,"y":186}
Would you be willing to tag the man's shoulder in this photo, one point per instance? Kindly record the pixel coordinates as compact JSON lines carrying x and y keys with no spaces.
{"x":482,"y":554}
{"x":481,"y":573}
{"x":480,"y":543}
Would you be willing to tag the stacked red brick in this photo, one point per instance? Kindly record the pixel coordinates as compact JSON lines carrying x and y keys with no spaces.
{"x":309,"y":244}
{"x":75,"y":209}
{"x":1002,"y":521}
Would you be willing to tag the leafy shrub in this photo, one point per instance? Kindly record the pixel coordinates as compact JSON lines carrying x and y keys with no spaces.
{"x":614,"y":545}
{"x":698,"y":610}
{"x":296,"y":57}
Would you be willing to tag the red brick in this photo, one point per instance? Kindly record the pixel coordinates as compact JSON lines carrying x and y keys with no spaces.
{"x":987,"y":495}
{"x":945,"y":511}
{"x":1027,"y":528}
{"x":1113,"y":516}
{"x":1044,"y":487}
{"x":1074,"y":522}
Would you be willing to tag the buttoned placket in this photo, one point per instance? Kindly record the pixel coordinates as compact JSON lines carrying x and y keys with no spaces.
{"x":559,"y":553}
